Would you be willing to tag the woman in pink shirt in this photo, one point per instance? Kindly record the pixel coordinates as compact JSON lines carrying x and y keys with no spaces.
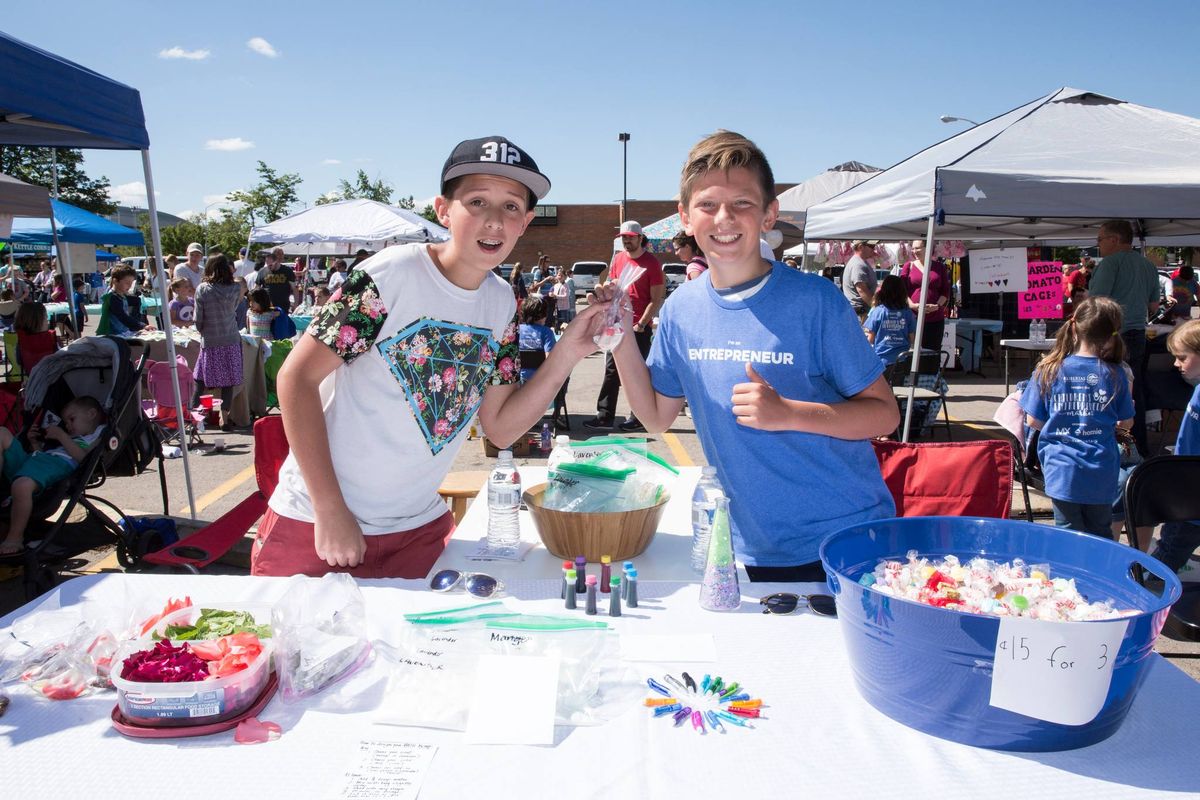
{"x":937,"y":297}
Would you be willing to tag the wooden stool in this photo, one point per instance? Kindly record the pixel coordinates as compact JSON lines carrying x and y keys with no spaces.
{"x":459,"y":487}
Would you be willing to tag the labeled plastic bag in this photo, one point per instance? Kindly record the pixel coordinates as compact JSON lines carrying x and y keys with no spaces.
{"x":613,"y":329}
{"x":438,"y":665}
{"x":586,"y":487}
{"x":320,"y":630}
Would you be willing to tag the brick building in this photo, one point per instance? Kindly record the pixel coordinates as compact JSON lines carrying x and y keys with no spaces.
{"x":585,"y":232}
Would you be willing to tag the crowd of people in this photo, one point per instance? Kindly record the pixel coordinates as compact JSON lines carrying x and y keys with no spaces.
{"x":773,"y":393}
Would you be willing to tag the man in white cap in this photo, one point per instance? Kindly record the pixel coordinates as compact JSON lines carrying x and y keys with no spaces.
{"x":646,"y":294}
{"x":192,"y":269}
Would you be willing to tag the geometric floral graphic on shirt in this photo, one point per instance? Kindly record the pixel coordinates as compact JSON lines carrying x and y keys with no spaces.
{"x":443,"y":368}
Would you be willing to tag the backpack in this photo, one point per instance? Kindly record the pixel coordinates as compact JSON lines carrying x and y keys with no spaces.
{"x":283,"y":327}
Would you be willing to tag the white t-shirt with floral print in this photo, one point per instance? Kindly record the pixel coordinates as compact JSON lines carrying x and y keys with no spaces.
{"x":419,"y":353}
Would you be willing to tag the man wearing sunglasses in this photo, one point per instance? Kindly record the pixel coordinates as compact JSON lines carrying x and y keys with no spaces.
{"x":1131,"y":280}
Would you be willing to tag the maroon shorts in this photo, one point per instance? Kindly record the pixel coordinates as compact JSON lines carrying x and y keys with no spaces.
{"x":285,"y":547}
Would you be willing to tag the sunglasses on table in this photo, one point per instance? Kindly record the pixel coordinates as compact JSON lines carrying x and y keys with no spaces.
{"x":822,"y":605}
{"x":477,"y":584}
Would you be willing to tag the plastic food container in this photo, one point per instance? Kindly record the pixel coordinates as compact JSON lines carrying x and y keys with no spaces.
{"x":193,"y":702}
{"x":932,"y":668}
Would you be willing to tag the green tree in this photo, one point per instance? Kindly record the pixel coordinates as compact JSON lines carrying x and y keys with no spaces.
{"x":34,"y":165}
{"x":362,"y":188}
{"x":272,"y":198}
{"x":428,"y":213}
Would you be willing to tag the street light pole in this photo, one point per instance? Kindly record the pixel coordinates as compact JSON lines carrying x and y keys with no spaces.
{"x":207,"y":221}
{"x":948,"y":118}
{"x":623,"y":138}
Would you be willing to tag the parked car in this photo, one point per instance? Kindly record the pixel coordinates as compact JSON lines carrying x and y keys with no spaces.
{"x":675,"y":274}
{"x":585,"y":274}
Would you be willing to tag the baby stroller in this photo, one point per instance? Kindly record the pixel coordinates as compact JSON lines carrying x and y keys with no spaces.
{"x":99,"y":367}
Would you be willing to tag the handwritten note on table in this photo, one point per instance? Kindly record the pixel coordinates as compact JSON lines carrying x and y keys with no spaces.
{"x":1055,"y":671}
{"x":387,"y":769}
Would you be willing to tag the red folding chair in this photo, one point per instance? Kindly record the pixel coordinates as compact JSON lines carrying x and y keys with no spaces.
{"x":33,"y":347}
{"x":215,"y":539}
{"x":948,"y":479}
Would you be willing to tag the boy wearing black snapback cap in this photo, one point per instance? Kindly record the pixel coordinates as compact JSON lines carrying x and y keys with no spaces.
{"x":379,"y":394}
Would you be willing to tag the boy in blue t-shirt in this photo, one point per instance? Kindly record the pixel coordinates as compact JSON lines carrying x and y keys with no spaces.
{"x":1178,"y":540}
{"x":783,"y":387}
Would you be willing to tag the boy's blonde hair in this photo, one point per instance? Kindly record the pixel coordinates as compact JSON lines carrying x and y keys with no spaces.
{"x":1185,"y":337}
{"x":725,"y":150}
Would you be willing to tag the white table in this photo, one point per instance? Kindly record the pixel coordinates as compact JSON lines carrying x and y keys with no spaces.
{"x":1022,"y":344}
{"x":667,"y":557}
{"x":969,"y":329}
{"x":820,"y":739}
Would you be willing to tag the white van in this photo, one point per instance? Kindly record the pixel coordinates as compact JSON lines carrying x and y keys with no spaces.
{"x":585,"y":274}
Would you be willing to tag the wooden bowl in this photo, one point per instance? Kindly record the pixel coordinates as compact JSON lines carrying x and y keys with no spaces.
{"x":620,"y":535}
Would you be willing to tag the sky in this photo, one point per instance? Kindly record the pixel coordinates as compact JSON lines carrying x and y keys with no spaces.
{"x":324,"y":89}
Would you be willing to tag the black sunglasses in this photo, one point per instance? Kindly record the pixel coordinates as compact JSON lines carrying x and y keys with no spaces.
{"x":476,"y":583}
{"x":822,"y":605}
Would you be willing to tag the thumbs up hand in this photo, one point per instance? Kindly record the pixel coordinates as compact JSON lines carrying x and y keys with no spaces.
{"x":757,"y":405}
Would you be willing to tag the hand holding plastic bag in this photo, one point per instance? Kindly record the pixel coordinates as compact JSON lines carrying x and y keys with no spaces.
{"x":320,"y":634}
{"x":612,"y":330}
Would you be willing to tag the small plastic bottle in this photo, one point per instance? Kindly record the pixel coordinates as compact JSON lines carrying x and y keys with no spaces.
{"x":504,"y":500}
{"x":571,"y":603}
{"x":562,"y":452}
{"x":708,"y":489}
{"x":590,"y":605}
{"x":614,"y":598}
{"x":631,"y":598}
{"x":544,"y":443}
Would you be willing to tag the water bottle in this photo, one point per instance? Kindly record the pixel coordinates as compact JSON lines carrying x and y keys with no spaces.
{"x":562,"y":453}
{"x":1037,"y":332}
{"x":504,"y":498}
{"x":544,"y":443}
{"x":704,"y":504}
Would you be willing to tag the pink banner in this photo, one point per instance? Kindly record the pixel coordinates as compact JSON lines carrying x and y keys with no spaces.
{"x":1044,"y":297}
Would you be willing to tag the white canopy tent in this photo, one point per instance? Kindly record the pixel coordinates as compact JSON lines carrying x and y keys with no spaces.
{"x":351,"y":224}
{"x":795,"y":202}
{"x":1052,"y":169}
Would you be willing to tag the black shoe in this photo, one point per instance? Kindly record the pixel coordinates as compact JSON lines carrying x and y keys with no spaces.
{"x":597,"y":424}
{"x":632,"y":426}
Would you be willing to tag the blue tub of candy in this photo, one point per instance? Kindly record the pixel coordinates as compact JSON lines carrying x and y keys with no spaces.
{"x":932,"y":668}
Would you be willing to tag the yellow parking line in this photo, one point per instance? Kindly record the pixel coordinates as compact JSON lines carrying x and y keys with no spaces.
{"x":681,"y":456}
{"x":219,"y":492}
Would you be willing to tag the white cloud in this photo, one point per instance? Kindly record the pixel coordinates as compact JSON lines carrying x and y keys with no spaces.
{"x":186,"y":213}
{"x":419,"y":205}
{"x":262,"y":47}
{"x":179,"y":52}
{"x":228,"y":145}
{"x":129,"y":194}
{"x":209,"y":199}
{"x":329,"y":162}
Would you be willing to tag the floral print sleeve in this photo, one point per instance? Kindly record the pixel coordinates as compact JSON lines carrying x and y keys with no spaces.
{"x":508,"y":359}
{"x":351,"y":320}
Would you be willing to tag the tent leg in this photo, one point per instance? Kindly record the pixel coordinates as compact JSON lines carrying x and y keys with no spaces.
{"x":916,"y":356}
{"x":165,"y":302}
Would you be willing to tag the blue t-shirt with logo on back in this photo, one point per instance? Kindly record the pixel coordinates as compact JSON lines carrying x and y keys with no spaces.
{"x":892,"y":329}
{"x":1078,"y":443}
{"x":787,"y":490}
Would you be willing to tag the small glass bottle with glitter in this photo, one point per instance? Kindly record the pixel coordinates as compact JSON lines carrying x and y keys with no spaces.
{"x":719,"y":591}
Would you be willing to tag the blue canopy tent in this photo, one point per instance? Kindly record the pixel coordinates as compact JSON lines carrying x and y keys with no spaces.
{"x":72,"y":224}
{"x":47,"y":101}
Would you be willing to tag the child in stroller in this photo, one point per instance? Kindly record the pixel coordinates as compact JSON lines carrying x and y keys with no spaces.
{"x":31,"y":472}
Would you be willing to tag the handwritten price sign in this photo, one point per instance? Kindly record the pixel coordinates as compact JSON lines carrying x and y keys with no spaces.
{"x":1055,"y":671}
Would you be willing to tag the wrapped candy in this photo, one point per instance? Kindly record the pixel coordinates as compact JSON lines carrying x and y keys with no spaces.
{"x":614,"y":316}
{"x":983,"y":586}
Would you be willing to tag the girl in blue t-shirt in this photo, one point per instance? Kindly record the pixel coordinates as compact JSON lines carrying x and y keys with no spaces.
{"x":891,"y":325}
{"x":1178,"y":540}
{"x":1077,"y":398}
{"x":534,"y":333}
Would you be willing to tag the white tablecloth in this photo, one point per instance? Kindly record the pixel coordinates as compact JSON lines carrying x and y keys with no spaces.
{"x":820,"y":739}
{"x":666,"y":559}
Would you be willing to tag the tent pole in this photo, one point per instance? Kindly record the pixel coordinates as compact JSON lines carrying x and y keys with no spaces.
{"x":165,"y":302}
{"x":916,"y":358}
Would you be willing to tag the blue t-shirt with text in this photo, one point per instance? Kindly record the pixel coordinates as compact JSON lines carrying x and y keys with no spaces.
{"x":891,"y":329}
{"x":535,"y":337}
{"x":1078,"y":443}
{"x":787,"y":489}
